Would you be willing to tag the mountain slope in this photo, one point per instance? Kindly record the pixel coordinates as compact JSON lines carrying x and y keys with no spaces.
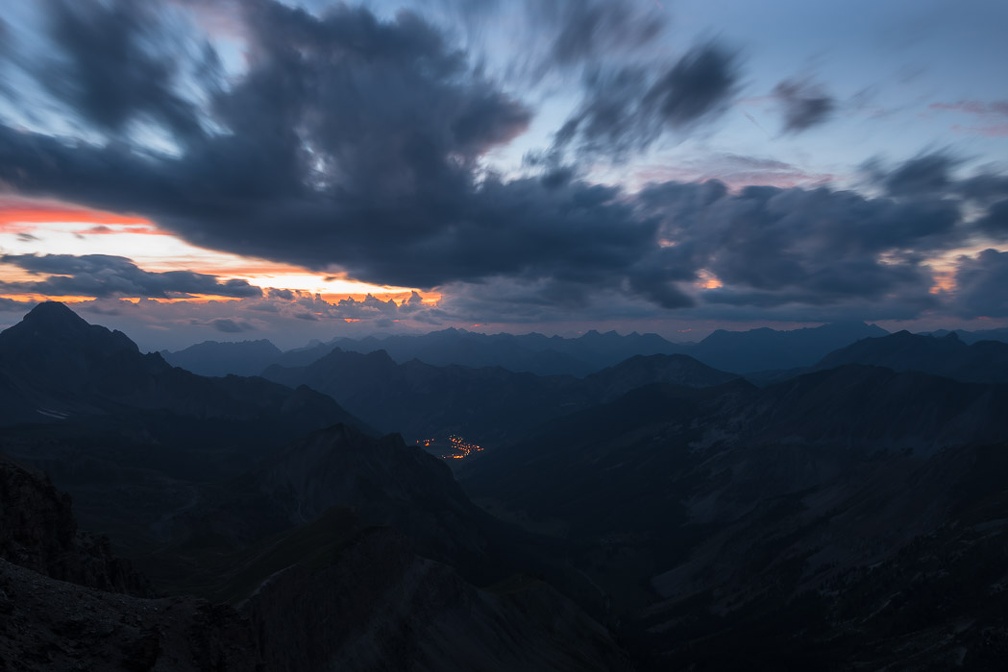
{"x":488,"y":405}
{"x":979,"y":362}
{"x":752,"y":516}
{"x":289,"y":523}
{"x":765,"y":349}
{"x":131,"y":437}
{"x":39,"y":532}
{"x":212,"y":358}
{"x":531,"y":353}
{"x":384,"y":482}
{"x":66,"y":368}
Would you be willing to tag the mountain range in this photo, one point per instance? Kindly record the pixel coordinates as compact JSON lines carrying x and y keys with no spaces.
{"x":652,"y":514}
{"x":737,"y":525}
{"x":984,"y":361}
{"x":486,"y":404}
{"x":734,"y":351}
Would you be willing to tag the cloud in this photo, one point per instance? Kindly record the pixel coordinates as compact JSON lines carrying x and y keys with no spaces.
{"x":735,"y":170}
{"x":926,"y":174}
{"x":110,"y":68}
{"x":803,"y":104}
{"x":980,"y":283}
{"x":102,"y":275}
{"x":627,"y":109}
{"x":977,"y":107}
{"x":991,"y":131}
{"x":587,"y":30}
{"x":773,"y":246}
{"x":353,"y":143}
{"x":995,"y":222}
{"x":230,"y":326}
{"x":698,"y":85}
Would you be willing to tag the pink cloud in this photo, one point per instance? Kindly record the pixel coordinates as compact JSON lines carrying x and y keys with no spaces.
{"x":996,"y":131}
{"x":735,"y":171}
{"x":999,"y":107}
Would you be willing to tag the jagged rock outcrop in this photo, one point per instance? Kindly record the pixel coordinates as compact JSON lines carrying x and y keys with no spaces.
{"x":38,"y":531}
{"x":55,"y":626}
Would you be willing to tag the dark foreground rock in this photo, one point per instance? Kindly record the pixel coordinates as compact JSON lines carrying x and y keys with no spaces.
{"x":334,"y":593}
{"x":38,"y":531}
{"x":55,"y":626}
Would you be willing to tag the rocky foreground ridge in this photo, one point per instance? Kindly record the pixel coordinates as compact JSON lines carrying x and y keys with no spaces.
{"x":367,"y":602}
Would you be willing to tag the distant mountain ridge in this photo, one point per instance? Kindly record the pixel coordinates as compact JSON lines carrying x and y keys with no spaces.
{"x":486,"y":404}
{"x":735,"y":351}
{"x":212,"y":358}
{"x":764,"y":349}
{"x":978,"y":362}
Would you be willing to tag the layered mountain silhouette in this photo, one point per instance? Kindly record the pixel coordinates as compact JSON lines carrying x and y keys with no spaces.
{"x":735,"y":351}
{"x":212,"y":358}
{"x":371,"y":539}
{"x":850,"y":516}
{"x":488,"y":404}
{"x":974,"y":336}
{"x":767,"y":349}
{"x":58,"y":368}
{"x":984,"y":361}
{"x":355,"y":597}
{"x":83,"y":403}
{"x":753,"y":515}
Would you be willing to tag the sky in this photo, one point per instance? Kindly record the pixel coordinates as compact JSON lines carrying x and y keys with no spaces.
{"x":189,"y":170}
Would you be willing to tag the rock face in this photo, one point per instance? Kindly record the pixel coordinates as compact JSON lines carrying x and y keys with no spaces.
{"x":38,"y":532}
{"x":66,"y":603}
{"x":334,"y":593}
{"x":53,"y":626}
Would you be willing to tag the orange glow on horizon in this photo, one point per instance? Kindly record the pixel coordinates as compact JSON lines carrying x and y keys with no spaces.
{"x":33,"y":297}
{"x":429,"y":298}
{"x":19,"y":211}
{"x":44,"y":226}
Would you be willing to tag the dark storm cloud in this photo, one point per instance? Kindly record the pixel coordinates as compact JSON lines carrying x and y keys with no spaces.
{"x":803,"y":104}
{"x":357,"y":142}
{"x":984,"y":188}
{"x":980,"y":285}
{"x":102,"y":275}
{"x":995,"y":222}
{"x":228,"y":326}
{"x":629,"y":108}
{"x":926,"y":174}
{"x":585,"y":30}
{"x":812,"y":246}
{"x":111,"y":70}
{"x":699,"y":84}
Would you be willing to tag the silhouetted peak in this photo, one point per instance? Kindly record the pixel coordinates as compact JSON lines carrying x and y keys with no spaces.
{"x":952,"y":337}
{"x":53,"y":314}
{"x":52,"y":322}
